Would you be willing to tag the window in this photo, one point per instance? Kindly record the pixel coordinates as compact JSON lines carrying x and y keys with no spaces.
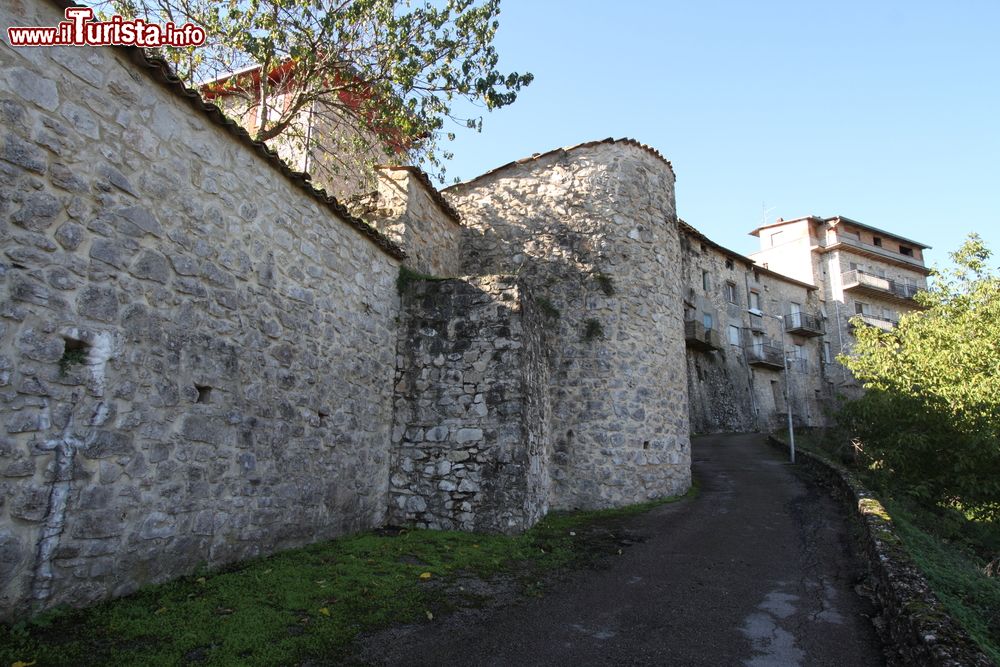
{"x":877,"y":240}
{"x":734,"y":335}
{"x":703,"y":248}
{"x":755,"y":299}
{"x":779,"y":399}
{"x":776,"y":238}
{"x":729,"y":263}
{"x":800,"y":351}
{"x":861,"y":308}
{"x":706,"y":284}
{"x":707,"y":321}
{"x":827,"y":355}
{"x":906,"y":250}
{"x":731,"y":292}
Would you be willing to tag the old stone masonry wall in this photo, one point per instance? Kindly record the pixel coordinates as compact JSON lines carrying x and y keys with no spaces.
{"x":471,"y":438}
{"x":202,"y":359}
{"x":592,"y":232}
{"x":196,"y":355}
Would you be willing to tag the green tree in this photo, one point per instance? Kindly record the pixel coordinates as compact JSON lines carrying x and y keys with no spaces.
{"x":930,"y":417}
{"x":383,"y":75}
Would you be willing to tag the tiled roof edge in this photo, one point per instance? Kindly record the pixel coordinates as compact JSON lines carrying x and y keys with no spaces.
{"x":588,"y":144}
{"x":161,"y":72}
{"x":436,"y":195}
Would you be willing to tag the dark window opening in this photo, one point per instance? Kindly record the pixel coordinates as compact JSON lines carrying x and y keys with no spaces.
{"x":729,"y":263}
{"x":877,"y":241}
{"x":731,"y":294}
{"x":645,"y":444}
{"x":204,"y":393}
{"x":75,"y":353}
{"x":906,"y":250}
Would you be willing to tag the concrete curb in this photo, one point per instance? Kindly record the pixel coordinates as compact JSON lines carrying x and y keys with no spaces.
{"x":917,"y":629}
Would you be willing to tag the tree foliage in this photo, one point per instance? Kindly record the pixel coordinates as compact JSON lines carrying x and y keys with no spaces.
{"x":930,"y":417}
{"x":382,"y":75}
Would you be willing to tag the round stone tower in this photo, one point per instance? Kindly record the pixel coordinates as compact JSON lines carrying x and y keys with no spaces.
{"x":592,"y":231}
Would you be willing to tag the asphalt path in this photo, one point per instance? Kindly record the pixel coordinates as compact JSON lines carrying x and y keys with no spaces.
{"x":755,"y":570}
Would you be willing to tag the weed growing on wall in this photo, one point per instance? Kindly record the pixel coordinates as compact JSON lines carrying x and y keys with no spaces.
{"x":547,"y":307}
{"x":592,"y":329}
{"x":605,"y":283}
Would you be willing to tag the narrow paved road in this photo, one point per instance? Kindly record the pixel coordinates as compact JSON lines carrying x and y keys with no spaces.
{"x":756,"y":570}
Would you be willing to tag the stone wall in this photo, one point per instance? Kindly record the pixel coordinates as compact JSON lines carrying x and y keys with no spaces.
{"x":719,"y":399}
{"x":408,"y":210}
{"x":197,"y":353}
{"x":592,"y":231}
{"x":470,"y":433}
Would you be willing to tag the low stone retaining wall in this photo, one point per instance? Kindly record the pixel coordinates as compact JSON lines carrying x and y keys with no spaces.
{"x":917,"y":629}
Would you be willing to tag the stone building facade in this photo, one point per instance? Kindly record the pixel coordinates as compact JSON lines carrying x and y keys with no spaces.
{"x":203,"y":358}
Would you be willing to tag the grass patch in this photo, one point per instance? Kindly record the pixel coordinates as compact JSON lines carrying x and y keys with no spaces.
{"x":949,"y":550}
{"x":309,"y":603}
{"x":950,"y":546}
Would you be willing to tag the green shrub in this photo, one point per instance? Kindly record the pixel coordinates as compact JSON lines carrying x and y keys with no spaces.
{"x":930,"y":417}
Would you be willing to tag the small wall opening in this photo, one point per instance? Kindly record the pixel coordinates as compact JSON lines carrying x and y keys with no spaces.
{"x":75,"y":353}
{"x":204,"y":393}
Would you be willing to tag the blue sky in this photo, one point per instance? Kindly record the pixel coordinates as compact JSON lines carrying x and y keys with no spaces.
{"x":885,"y":112}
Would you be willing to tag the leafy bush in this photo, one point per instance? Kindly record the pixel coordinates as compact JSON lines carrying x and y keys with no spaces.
{"x":930,"y":418}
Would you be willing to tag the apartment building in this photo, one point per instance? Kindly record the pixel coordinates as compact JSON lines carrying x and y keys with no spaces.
{"x":792,"y":304}
{"x":863,"y":274}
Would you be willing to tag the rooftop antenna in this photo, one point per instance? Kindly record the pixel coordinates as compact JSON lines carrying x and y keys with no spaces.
{"x":763,"y":213}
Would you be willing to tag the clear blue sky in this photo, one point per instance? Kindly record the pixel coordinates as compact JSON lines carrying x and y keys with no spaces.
{"x":885,"y":112}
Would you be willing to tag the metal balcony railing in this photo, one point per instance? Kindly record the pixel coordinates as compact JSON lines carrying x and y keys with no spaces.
{"x":867,"y":281}
{"x":798,"y":365}
{"x":756,"y":322}
{"x":804,"y":324}
{"x":699,"y":337}
{"x":879,"y":322}
{"x":765,"y":354}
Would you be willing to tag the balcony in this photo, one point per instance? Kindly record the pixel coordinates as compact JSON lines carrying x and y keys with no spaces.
{"x":798,"y":366}
{"x":804,"y":324}
{"x":877,"y":252}
{"x":697,"y":337}
{"x":878,"y":322}
{"x":879,"y":287}
{"x":765,"y":355}
{"x":756,"y":323}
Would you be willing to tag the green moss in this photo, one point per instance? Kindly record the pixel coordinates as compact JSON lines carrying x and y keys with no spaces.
{"x":308,"y":604}
{"x":408,"y":276}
